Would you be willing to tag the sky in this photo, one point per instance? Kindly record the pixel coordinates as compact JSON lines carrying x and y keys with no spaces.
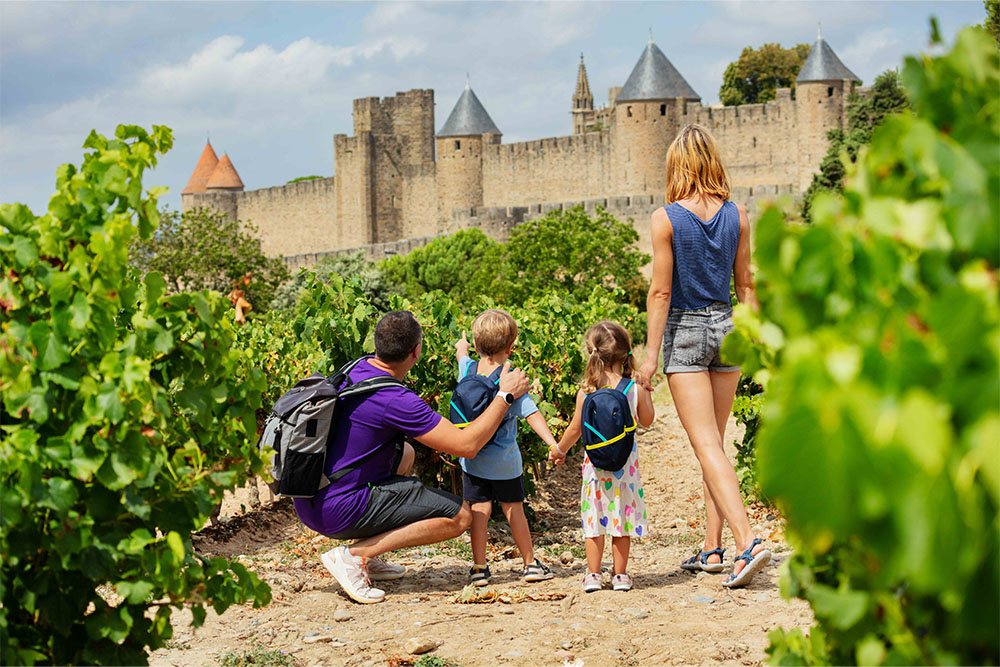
{"x":271,"y":83}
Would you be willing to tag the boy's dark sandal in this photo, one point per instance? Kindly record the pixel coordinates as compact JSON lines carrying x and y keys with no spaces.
{"x":480,"y":576}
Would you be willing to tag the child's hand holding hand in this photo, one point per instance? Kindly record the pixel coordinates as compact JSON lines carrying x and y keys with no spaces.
{"x":462,"y":346}
{"x":556,"y":456}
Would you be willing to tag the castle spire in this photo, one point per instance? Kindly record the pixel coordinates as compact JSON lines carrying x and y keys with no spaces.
{"x":582,"y":84}
{"x":202,"y":171}
{"x":822,"y":64}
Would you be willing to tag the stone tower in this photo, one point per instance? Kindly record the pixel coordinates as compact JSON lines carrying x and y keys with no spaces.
{"x":460,"y":155}
{"x":583,"y":101}
{"x":821,"y":91}
{"x":649,"y":111}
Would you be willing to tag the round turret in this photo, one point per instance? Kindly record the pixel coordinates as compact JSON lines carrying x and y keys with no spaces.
{"x":649,"y":111}
{"x":822,"y":89}
{"x":459,"y":146}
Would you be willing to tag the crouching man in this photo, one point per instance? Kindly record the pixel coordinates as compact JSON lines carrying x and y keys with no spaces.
{"x":377,"y":504}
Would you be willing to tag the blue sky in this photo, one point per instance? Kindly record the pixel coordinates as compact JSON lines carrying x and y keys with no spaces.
{"x":271,"y":83}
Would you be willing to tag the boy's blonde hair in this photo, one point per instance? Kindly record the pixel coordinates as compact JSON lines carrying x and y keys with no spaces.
{"x":493,"y":331}
{"x":606,"y":344}
{"x":694,"y":166}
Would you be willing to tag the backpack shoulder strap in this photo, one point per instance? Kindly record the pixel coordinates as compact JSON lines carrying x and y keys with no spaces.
{"x":495,"y":375}
{"x":624,"y":385}
{"x":471,"y":368}
{"x":370,"y":385}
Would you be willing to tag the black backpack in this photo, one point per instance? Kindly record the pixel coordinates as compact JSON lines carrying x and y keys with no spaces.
{"x":473,"y":395}
{"x":300,"y":426}
{"x":608,"y":426}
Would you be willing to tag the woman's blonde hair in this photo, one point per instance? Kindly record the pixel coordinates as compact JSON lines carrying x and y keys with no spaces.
{"x":694,"y":167}
{"x":606,"y":344}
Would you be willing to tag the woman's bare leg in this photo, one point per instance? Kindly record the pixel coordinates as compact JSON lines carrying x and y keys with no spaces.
{"x":696,"y":404}
{"x":723,"y":391}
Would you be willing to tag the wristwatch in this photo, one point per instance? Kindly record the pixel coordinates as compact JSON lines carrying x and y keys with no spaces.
{"x":507,"y":396}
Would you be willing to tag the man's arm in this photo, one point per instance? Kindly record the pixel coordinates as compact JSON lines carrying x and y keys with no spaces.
{"x":466,"y":442}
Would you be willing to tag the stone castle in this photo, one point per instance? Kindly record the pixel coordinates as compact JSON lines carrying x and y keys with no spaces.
{"x":398,"y":183}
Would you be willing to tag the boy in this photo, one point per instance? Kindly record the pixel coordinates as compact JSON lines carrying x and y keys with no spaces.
{"x":496,"y":471}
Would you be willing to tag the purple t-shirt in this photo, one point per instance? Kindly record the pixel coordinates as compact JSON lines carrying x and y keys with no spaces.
{"x":362,"y":423}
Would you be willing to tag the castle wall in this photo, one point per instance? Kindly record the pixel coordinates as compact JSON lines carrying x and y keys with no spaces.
{"x":572,"y":167}
{"x":420,"y":201}
{"x":757,"y":142}
{"x":459,"y":176}
{"x":354,"y":191}
{"x":293,"y":218}
{"x":821,"y":107}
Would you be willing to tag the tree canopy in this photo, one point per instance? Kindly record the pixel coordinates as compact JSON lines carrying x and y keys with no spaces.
{"x":204,"y":249}
{"x":760,"y":72}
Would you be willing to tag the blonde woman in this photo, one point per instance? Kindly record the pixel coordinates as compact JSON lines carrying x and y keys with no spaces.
{"x":700,"y":239}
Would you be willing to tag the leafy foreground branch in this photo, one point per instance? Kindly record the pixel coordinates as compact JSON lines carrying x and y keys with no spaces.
{"x":121,"y":408}
{"x":877,"y":345}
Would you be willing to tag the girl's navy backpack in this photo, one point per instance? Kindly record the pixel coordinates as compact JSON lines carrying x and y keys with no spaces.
{"x":608,"y":426}
{"x":473,"y":395}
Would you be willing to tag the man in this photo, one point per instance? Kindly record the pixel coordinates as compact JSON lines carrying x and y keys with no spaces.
{"x":377,"y":504}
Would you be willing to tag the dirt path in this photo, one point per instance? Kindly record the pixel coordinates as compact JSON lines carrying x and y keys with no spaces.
{"x":671,"y":617}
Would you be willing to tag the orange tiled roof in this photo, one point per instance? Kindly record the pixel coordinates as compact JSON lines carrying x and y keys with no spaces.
{"x":202,"y":171}
{"x":224,"y":176}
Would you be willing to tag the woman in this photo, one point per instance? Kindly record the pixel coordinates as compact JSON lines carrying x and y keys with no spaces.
{"x":700,"y":239}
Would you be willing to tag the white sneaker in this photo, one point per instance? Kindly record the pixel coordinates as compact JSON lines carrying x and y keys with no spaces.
{"x":379,"y":570}
{"x":352,"y":575}
{"x":621,"y":582}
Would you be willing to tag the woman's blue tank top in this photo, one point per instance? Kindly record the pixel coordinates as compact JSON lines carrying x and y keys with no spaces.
{"x":704,"y":253}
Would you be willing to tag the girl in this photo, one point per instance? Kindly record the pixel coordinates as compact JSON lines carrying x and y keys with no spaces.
{"x":611,"y":502}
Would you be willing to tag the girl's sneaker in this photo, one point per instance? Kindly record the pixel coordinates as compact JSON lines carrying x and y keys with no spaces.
{"x":621,"y":582}
{"x":592,"y":582}
{"x":536,"y":571}
{"x":479,"y":575}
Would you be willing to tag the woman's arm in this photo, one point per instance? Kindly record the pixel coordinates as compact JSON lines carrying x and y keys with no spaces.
{"x":742,"y":275}
{"x":557,"y":453}
{"x":658,"y":301}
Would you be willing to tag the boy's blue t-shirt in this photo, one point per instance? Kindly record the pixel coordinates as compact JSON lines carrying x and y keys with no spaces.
{"x":500,"y":458}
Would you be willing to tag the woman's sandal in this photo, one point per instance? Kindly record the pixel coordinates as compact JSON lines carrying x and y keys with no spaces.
{"x":754,"y":564}
{"x":700,"y":562}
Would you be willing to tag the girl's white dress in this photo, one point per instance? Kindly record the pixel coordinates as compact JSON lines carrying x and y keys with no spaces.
{"x":611,"y":503}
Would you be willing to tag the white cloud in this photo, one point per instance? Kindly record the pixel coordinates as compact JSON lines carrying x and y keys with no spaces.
{"x":873,"y":52}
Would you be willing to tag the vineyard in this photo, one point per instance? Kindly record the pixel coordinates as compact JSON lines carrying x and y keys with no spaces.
{"x":868,"y":409}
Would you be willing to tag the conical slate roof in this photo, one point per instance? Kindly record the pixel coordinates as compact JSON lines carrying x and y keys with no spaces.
{"x":823,"y":65}
{"x":202,"y":171}
{"x":468,"y":117}
{"x":655,"y":78}
{"x":224,"y":176}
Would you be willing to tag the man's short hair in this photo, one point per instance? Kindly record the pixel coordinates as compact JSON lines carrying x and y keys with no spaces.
{"x":493,"y":331}
{"x":396,"y":336}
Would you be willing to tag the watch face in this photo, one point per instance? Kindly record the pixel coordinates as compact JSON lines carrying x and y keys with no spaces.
{"x":509,"y":397}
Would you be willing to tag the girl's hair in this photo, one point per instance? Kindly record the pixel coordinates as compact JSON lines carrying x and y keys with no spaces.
{"x":694,"y":167}
{"x":606,"y":344}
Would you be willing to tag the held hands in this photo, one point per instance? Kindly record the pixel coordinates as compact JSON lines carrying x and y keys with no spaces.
{"x":644,"y":376}
{"x":556,"y":456}
{"x":511,"y":379}
{"x":462,"y":346}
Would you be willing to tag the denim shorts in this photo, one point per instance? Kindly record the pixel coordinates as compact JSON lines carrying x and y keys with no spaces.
{"x":693,"y":339}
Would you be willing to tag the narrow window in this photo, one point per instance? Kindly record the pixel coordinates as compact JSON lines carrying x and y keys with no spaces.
{"x":755,"y":142}
{"x":829,"y":91}
{"x":663,"y":109}
{"x":628,"y":110}
{"x":458,"y":144}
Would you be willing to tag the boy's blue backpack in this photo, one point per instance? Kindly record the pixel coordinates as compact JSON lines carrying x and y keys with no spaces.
{"x":608,"y":426}
{"x":473,"y":395}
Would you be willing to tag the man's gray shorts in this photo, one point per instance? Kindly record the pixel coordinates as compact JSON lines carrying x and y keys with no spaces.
{"x":693,"y":339}
{"x":399,"y":501}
